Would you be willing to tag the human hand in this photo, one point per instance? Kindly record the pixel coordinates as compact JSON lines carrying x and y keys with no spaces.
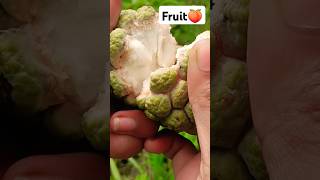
{"x":283,"y":68}
{"x":189,"y":164}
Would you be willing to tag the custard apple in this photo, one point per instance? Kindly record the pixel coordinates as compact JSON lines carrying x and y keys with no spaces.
{"x":149,"y":68}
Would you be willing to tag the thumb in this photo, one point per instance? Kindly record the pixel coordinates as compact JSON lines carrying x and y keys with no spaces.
{"x":199,"y":81}
{"x":199,"y":97}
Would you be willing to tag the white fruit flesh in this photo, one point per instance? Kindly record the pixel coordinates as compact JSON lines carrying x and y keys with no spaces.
{"x":180,"y":55}
{"x":147,"y":49}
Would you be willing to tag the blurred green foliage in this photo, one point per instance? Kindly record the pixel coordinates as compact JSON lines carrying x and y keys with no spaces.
{"x":144,"y":166}
{"x":184,"y":34}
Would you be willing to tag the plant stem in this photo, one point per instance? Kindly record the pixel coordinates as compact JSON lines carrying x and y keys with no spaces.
{"x":114,"y":170}
{"x":136,"y":165}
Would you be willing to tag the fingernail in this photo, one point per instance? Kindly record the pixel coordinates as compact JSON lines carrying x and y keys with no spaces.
{"x":203,"y":56}
{"x":124,"y":124}
{"x":301,"y":14}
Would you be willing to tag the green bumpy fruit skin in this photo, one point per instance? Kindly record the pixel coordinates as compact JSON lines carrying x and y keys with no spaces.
{"x":161,"y":83}
{"x":176,"y":121}
{"x":141,"y":103}
{"x":117,"y":43}
{"x":26,"y":89}
{"x":179,"y":95}
{"x":145,"y":13}
{"x":231,"y":109}
{"x":232,"y":27}
{"x":158,"y":105}
{"x":96,"y":132}
{"x":184,"y":68}
{"x":151,"y":116}
{"x":189,"y":112}
{"x":228,"y":166}
{"x":251,"y":153}
{"x":118,"y":85}
{"x":126,"y":17}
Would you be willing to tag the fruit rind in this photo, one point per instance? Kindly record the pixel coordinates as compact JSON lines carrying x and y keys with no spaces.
{"x":177,"y":120}
{"x":126,"y":18}
{"x":118,"y":85}
{"x":159,"y":105}
{"x":179,"y":94}
{"x":188,"y":110}
{"x":145,"y":13}
{"x":251,"y":152}
{"x":228,"y":166}
{"x":163,"y":80}
{"x":231,"y":110}
{"x":117,"y":43}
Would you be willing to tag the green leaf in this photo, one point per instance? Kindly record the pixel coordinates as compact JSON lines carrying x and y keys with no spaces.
{"x":114,"y":170}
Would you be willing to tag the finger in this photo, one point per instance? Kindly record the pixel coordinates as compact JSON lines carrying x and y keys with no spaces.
{"x":124,"y":146}
{"x":115,"y":7}
{"x":199,"y":81}
{"x":80,"y":166}
{"x":133,"y":123}
{"x":199,"y":97}
{"x":175,"y":147}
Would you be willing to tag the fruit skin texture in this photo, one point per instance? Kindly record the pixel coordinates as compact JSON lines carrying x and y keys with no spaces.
{"x":251,"y":153}
{"x":231,"y":110}
{"x":237,"y":153}
{"x":94,"y":123}
{"x":117,"y":39}
{"x":164,"y":81}
{"x":149,"y":69}
{"x":231,"y":24}
{"x":179,"y":95}
{"x":26,"y":75}
{"x":228,"y":166}
{"x":158,"y":105}
{"x":178,"y":120}
{"x":119,"y":87}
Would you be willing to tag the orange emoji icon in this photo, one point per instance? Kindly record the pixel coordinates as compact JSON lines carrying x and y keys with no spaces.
{"x":195,"y":15}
